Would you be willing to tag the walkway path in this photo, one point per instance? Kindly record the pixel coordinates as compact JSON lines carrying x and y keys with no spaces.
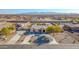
{"x":27,"y":38}
{"x":15,"y":37}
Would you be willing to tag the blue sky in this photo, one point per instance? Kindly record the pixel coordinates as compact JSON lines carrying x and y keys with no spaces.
{"x":18,"y":11}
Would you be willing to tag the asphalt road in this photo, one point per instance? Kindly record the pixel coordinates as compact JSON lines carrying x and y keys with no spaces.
{"x":25,"y":46}
{"x":37,"y":21}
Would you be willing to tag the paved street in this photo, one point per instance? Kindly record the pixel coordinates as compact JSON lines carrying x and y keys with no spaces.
{"x":38,"y":21}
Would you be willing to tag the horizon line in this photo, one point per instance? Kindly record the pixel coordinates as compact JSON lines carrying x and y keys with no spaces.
{"x":27,"y":11}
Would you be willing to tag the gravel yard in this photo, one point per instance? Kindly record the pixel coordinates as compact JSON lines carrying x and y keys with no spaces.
{"x":65,"y":38}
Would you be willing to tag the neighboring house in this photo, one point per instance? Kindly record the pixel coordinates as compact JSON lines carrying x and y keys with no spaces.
{"x":72,"y":27}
